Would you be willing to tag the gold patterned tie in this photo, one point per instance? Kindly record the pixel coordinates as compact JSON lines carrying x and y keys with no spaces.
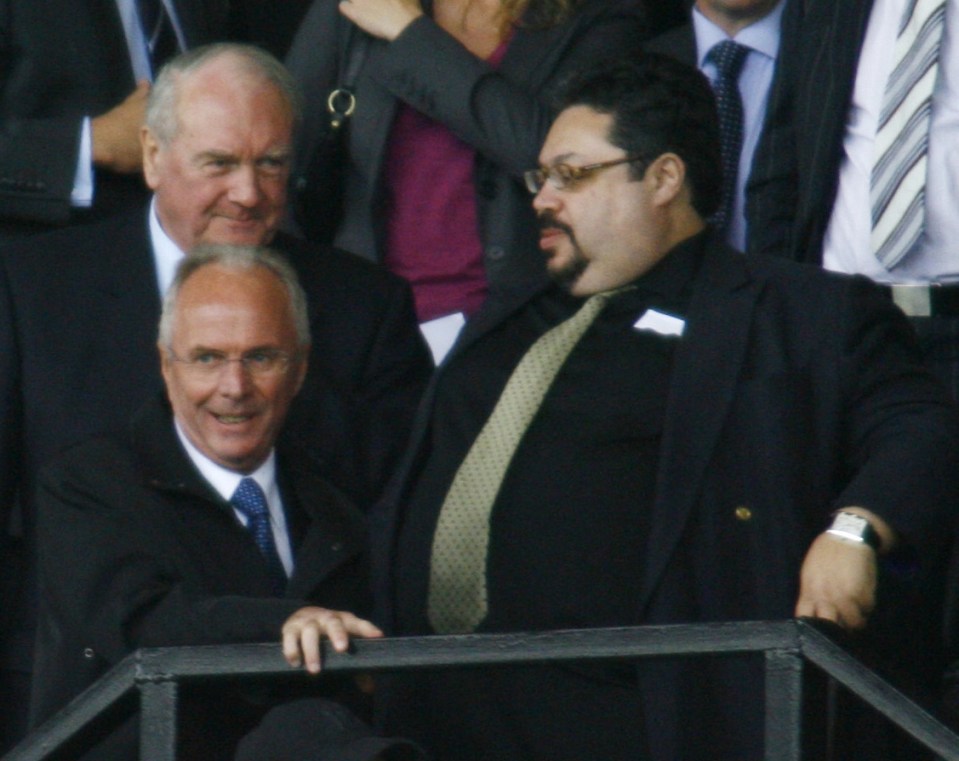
{"x":457,"y":589}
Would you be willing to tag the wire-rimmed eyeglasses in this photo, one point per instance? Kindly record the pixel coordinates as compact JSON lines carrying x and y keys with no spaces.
{"x":564,"y":176}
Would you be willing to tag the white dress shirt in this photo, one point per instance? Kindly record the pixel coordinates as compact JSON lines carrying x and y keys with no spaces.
{"x":755,"y":79}
{"x":846,"y":247}
{"x":166,"y":253}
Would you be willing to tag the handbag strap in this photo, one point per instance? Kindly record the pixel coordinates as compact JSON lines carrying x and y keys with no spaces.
{"x":342,"y":100}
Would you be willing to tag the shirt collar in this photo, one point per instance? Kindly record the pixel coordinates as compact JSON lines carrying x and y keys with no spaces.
{"x":225,"y":481}
{"x":166,"y":253}
{"x":760,"y":37}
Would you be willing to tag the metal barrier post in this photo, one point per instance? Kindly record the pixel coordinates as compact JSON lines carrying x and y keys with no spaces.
{"x":783,"y":705}
{"x":158,"y":720}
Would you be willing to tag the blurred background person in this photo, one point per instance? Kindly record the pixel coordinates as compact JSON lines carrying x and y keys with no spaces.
{"x":74,"y":78}
{"x":735,"y":43}
{"x":451,"y":107}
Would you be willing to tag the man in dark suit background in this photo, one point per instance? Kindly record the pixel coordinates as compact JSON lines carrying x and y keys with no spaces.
{"x":78,"y":308}
{"x":683,"y":463}
{"x":751,"y":24}
{"x":811,"y":193}
{"x":193,"y":527}
{"x":73,"y":84}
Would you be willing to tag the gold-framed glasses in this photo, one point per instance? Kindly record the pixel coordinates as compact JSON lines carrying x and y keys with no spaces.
{"x":565,"y":176}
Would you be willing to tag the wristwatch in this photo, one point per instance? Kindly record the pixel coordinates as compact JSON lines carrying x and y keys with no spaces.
{"x":855,"y":528}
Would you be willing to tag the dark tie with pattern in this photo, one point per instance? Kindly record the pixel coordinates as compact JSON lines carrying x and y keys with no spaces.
{"x":728,"y":57}
{"x":158,"y":32}
{"x":251,"y":502}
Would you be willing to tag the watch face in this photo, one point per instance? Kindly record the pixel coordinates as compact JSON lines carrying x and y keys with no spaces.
{"x":850,"y":523}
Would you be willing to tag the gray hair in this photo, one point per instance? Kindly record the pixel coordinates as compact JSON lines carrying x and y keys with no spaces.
{"x":240,"y":259}
{"x":162,"y":115}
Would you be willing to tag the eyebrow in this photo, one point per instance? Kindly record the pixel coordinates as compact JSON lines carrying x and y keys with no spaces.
{"x":563,"y":157}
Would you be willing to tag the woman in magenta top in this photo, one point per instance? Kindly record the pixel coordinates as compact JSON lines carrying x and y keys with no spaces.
{"x":452,"y":107}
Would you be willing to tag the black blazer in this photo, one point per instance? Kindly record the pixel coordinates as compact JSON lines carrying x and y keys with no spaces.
{"x":796,"y":171}
{"x":793,"y":392}
{"x":680,"y":43}
{"x":503,"y":113}
{"x":138,"y":550}
{"x":61,"y":60}
{"x":78,"y":321}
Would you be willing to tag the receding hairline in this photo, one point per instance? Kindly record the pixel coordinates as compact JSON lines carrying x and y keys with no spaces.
{"x":236,"y":259}
{"x":239,"y":67}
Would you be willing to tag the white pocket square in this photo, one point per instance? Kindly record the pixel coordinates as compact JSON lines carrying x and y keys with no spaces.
{"x":658,"y":322}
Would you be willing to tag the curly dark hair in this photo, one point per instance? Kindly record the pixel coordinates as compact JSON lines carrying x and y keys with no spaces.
{"x":658,"y":106}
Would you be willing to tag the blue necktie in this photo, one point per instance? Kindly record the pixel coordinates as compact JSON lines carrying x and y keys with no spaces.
{"x":728,"y":57}
{"x":250,"y":500}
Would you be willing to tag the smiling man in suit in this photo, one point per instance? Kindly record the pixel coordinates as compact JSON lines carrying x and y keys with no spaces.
{"x":194,"y":527}
{"x":78,"y":307}
{"x":664,"y":435}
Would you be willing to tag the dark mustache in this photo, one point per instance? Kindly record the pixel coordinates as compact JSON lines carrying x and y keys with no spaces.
{"x":547,"y":220}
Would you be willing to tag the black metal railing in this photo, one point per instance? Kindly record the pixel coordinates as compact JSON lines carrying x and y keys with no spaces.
{"x":150,"y":679}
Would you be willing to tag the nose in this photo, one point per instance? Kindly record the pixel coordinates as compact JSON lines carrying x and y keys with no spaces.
{"x":234,"y":381}
{"x":245,"y":186}
{"x":546,"y":198}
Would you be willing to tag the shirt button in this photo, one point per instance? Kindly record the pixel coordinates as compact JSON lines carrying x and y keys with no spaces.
{"x":336,"y":546}
{"x":88,"y":652}
{"x":743,"y":513}
{"x":496,"y":252}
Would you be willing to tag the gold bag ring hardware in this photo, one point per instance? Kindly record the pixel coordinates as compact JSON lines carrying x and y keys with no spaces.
{"x":341,"y":105}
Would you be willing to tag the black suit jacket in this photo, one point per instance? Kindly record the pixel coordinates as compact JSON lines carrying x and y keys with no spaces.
{"x":793,"y":392}
{"x":796,"y":172}
{"x":138,"y":550}
{"x":61,"y":60}
{"x":78,"y":321}
{"x":679,"y":42}
{"x":503,"y":113}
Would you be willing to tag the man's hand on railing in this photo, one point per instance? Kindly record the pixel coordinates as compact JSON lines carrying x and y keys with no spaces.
{"x":838,"y":582}
{"x":303,"y":631}
{"x":838,"y":577}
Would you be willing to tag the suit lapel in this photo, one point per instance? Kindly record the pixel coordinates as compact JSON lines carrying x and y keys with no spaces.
{"x":325,"y":530}
{"x":498,"y":307}
{"x":206,"y":529}
{"x":385,"y":518}
{"x":831,"y":37}
{"x":705,"y":376}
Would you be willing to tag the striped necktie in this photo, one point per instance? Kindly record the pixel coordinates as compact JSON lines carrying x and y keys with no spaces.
{"x":457,"y":589}
{"x":899,"y":171}
{"x":158,"y":32}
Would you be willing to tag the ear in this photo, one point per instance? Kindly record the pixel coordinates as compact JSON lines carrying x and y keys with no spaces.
{"x":150,"y":147}
{"x":668,"y":176}
{"x":165,"y":363}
